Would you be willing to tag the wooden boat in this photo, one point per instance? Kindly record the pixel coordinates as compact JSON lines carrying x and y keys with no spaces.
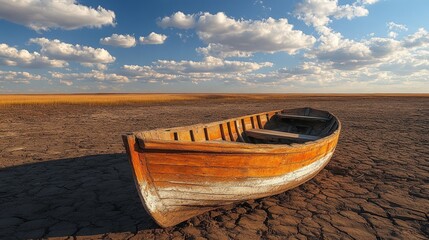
{"x":185,"y":171}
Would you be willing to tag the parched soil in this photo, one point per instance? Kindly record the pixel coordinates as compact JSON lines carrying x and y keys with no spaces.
{"x":64,"y":174}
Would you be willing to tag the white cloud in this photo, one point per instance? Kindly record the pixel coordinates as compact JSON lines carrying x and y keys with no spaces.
{"x":147,"y":73}
{"x":228,"y":37}
{"x":345,"y":54}
{"x":48,"y":14}
{"x":367,"y":1}
{"x":392,"y":34}
{"x":118,"y":40}
{"x":396,"y":26}
{"x":222,"y":51}
{"x":306,"y":68}
{"x":98,"y":66}
{"x":350,"y":11}
{"x":56,"y":49}
{"x":94,"y":75}
{"x":322,"y":77}
{"x":383,"y":47}
{"x":178,"y":20}
{"x":65,"y":82}
{"x":210,"y":68}
{"x":340,"y":63}
{"x":269,"y":35}
{"x":408,"y":65}
{"x":318,"y":12}
{"x":153,"y":38}
{"x":11,"y":56}
{"x":209,"y":65}
{"x":418,"y":39}
{"x":18,"y":77}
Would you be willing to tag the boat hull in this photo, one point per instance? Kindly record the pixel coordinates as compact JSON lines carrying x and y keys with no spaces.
{"x":179,"y":181}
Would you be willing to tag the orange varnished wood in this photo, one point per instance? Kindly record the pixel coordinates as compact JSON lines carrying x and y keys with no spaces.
{"x":254,"y":120}
{"x":256,"y":160}
{"x":142,"y":179}
{"x":233,"y":147}
{"x":184,"y":136}
{"x":229,"y":171}
{"x":247,"y":123}
{"x":214,"y":132}
{"x":139,"y":171}
{"x":177,"y":170}
{"x":188,"y":179}
{"x":263,"y":119}
{"x":225,"y":132}
{"x":232,"y":131}
{"x":238,"y":126}
{"x":199,"y":134}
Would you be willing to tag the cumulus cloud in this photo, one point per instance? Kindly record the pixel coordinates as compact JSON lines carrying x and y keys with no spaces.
{"x":18,"y":77}
{"x":367,"y":1}
{"x":344,"y":53}
{"x":332,"y":48}
{"x":392,"y":34}
{"x":178,"y":20}
{"x":11,"y":56}
{"x":322,"y":77}
{"x":209,"y":65}
{"x":418,"y":39}
{"x":119,"y":40}
{"x":222,"y":51}
{"x":98,"y":66}
{"x":153,"y":38}
{"x":152,"y":75}
{"x":396,"y":26}
{"x":67,"y":83}
{"x":361,"y":64}
{"x":94,"y":75}
{"x":147,"y":73}
{"x":48,"y":14}
{"x":306,"y":68}
{"x":228,"y":37}
{"x":318,"y":12}
{"x":210,"y":68}
{"x":269,"y":35}
{"x":56,"y":49}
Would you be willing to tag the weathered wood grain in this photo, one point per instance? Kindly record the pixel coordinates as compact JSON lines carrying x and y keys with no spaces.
{"x":300,"y":117}
{"x":269,"y":135}
{"x":185,"y":171}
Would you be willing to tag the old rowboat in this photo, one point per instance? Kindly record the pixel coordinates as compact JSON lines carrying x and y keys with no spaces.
{"x":185,"y":171}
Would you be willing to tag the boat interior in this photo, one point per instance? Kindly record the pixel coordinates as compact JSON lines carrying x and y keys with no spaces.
{"x":277,"y":127}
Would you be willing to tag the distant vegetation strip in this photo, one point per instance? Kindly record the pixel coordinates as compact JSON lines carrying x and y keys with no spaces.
{"x":116,"y":99}
{"x":91,"y":99}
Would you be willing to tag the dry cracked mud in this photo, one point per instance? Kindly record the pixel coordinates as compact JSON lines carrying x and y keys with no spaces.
{"x":64,"y":174}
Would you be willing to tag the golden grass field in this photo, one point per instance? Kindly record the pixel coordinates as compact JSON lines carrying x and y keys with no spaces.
{"x":116,"y":99}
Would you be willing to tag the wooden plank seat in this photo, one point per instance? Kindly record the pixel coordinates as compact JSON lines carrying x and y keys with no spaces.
{"x":301,"y":117}
{"x":275,"y":135}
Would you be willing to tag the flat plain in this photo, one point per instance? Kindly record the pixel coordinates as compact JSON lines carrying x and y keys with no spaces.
{"x":64,"y":173}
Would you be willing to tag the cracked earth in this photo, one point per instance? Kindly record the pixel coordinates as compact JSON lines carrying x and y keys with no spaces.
{"x":64,"y":174}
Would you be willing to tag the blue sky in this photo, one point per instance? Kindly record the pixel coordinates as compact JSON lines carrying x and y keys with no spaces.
{"x":320,"y":46}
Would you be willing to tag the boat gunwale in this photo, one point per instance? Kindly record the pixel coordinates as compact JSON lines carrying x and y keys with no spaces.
{"x":222,"y":146}
{"x":137,"y":148}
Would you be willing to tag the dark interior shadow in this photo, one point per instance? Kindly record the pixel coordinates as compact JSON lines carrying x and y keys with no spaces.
{"x":70,"y":197}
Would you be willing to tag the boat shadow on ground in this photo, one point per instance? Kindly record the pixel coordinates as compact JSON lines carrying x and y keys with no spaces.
{"x":87,"y":195}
